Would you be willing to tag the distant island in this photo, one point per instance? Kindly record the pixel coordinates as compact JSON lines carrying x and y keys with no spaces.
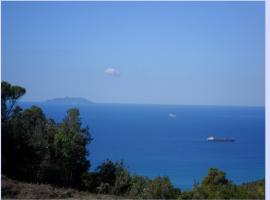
{"x":69,"y":101}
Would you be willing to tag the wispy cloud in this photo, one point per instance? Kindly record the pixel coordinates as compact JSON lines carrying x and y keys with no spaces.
{"x":111,"y":72}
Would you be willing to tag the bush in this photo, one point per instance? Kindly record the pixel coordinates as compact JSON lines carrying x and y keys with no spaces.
{"x":216,"y":186}
{"x":122,"y":181}
{"x":114,"y":178}
{"x":161,"y":188}
{"x":138,"y":185}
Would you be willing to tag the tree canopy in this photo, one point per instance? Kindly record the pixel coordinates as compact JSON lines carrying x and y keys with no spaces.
{"x":37,"y":149}
{"x":9,"y":96}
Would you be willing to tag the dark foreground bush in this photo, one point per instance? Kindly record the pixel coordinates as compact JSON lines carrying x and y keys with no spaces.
{"x":216,"y":186}
{"x":114,"y":178}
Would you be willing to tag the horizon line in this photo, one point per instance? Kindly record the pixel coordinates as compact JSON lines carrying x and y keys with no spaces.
{"x":153,"y":104}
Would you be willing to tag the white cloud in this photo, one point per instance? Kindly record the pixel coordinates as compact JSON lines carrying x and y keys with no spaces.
{"x":111,"y":72}
{"x":172,"y":115}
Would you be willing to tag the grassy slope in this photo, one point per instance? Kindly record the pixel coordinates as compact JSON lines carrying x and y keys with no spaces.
{"x":20,"y":190}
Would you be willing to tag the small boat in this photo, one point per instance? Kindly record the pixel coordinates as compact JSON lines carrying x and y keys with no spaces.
{"x":214,"y":139}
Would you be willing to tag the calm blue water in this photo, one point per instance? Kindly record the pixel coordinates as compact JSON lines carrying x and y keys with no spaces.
{"x":151,"y":143}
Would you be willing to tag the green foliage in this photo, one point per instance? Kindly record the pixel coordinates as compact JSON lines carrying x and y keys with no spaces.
{"x":216,"y":186}
{"x":34,"y":144}
{"x":25,"y":143}
{"x":114,"y":178}
{"x":109,"y":177}
{"x":36,"y":149}
{"x":138,"y":185}
{"x":9,"y":96}
{"x":107,"y":171}
{"x":70,"y":149}
{"x":187,"y":195}
{"x":122,"y":180}
{"x":161,"y":188}
{"x":252,"y":190}
{"x":198,"y":192}
{"x":214,"y":178}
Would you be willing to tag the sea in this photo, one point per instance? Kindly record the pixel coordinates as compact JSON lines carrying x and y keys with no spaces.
{"x":171,"y":140}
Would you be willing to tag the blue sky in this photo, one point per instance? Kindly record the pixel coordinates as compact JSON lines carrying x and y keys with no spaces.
{"x":197,"y":53}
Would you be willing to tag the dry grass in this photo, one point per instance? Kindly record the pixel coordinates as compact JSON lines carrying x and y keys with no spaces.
{"x":12,"y":189}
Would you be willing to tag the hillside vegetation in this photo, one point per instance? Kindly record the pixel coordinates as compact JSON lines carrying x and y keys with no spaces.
{"x":49,"y":157}
{"x":21,"y":190}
